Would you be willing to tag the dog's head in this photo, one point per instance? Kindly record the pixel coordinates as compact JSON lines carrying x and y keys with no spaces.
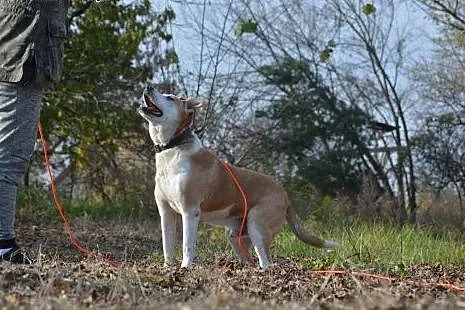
{"x":167,"y":114}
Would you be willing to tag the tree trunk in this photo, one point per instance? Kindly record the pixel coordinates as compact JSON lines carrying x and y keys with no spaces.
{"x":462,"y":209}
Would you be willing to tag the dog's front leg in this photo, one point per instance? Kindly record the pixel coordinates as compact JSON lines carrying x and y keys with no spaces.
{"x":190,"y":223}
{"x":168,"y":231}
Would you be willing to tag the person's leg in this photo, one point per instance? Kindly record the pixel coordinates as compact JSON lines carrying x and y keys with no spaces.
{"x":19,"y":115}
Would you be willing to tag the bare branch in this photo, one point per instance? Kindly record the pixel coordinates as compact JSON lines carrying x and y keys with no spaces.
{"x":456,"y":21}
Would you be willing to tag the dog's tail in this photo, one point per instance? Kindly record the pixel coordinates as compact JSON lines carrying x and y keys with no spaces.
{"x":304,"y":235}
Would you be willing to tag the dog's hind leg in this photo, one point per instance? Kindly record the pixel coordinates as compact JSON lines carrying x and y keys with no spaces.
{"x":260,"y":237}
{"x":232,"y":232}
{"x":168,"y":231}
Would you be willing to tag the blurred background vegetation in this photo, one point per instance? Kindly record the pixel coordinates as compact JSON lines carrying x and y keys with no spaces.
{"x":357,"y":107}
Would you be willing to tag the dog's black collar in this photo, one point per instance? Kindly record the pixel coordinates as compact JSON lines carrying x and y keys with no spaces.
{"x":177,"y":141}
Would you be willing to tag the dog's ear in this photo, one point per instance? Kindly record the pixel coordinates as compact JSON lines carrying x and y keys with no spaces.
{"x":192,"y":104}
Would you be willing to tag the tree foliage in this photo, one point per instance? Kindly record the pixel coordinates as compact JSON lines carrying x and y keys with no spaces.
{"x":441,"y":148}
{"x":439,"y":143}
{"x":313,"y":136}
{"x":93,"y":110}
{"x":292,"y":87}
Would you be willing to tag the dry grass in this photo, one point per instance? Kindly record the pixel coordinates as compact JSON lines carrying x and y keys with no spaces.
{"x":62,"y":278}
{"x":441,"y":210}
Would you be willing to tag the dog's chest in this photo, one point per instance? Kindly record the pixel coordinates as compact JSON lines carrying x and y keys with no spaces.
{"x":171,"y":179}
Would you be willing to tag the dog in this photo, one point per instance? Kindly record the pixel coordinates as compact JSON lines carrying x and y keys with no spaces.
{"x":192,"y":182}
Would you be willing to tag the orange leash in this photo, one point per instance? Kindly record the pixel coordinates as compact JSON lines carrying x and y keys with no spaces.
{"x":239,"y":237}
{"x":243,"y":248}
{"x":245,"y":211}
{"x":61,"y":210}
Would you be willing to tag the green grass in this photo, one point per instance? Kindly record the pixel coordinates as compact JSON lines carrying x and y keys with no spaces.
{"x":39,"y":203}
{"x":383,"y":246}
{"x":375,"y":245}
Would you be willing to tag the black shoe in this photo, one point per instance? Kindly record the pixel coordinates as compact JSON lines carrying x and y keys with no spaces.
{"x":16,"y":256}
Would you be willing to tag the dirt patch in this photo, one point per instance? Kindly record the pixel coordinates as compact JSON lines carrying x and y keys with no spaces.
{"x":62,"y":277}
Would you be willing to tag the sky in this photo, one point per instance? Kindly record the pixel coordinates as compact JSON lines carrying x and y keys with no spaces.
{"x":186,"y":28}
{"x":410,"y":21}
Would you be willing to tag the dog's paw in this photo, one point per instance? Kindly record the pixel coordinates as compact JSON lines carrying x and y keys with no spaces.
{"x":268,"y":267}
{"x":169,"y":264}
{"x":187,"y":265}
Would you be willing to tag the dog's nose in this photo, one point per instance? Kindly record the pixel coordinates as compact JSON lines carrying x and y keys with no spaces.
{"x":149,"y":88}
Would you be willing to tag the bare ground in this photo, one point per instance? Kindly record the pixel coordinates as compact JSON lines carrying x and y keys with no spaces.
{"x":63,"y":278}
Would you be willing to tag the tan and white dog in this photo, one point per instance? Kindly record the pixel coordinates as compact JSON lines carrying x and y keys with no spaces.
{"x":191,"y":181}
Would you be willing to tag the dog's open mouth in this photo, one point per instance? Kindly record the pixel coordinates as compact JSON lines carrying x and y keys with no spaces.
{"x":150,"y":107}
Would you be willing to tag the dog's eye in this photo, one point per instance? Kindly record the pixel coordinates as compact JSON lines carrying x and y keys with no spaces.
{"x":170,"y":98}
